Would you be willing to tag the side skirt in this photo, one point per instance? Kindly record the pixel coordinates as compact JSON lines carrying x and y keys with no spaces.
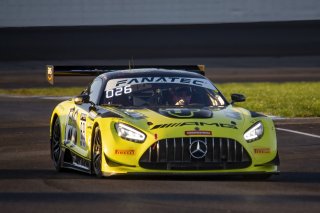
{"x":71,"y":160}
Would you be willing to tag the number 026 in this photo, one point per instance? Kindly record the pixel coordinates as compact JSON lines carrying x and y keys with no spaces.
{"x":118,"y":91}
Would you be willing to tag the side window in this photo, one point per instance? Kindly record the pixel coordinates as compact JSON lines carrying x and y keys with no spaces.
{"x":95,"y":89}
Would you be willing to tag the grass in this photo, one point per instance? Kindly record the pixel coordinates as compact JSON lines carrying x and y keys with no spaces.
{"x":298,"y":99}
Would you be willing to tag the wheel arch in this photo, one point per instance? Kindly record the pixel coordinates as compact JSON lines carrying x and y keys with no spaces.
{"x":57,"y":162}
{"x":53,"y":120}
{"x":95,"y":125}
{"x":92,"y":170}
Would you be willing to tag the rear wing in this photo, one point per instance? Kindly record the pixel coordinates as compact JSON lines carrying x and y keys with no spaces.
{"x":53,"y":71}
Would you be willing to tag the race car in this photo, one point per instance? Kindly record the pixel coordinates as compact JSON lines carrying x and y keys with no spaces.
{"x":158,"y":120}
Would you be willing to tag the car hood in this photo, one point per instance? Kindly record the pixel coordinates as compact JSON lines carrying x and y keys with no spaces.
{"x":164,"y":117}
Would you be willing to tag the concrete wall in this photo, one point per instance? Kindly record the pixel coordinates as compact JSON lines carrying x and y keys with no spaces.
{"x":164,"y":41}
{"x":25,"y":13}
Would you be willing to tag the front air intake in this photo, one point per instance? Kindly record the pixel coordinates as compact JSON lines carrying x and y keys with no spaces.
{"x":195,"y":154}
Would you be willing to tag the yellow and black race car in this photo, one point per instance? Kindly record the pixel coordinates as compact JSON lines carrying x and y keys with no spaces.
{"x":163,"y":120}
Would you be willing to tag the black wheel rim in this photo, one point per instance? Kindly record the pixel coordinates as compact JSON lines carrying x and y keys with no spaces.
{"x":55,"y":146}
{"x":97,"y":150}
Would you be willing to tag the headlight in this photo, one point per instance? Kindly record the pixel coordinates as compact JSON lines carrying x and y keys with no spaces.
{"x":253,"y":133}
{"x":129,"y":133}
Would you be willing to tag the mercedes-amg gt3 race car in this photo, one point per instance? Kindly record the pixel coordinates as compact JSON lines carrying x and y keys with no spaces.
{"x":168,"y":120}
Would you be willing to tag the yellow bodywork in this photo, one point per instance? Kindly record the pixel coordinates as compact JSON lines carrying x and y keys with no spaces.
{"x":126,"y":154}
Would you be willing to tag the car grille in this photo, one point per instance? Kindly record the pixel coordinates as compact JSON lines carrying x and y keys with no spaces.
{"x":174,"y":154}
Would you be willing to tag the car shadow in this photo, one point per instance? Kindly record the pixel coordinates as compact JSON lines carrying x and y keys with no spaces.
{"x":287,"y":177}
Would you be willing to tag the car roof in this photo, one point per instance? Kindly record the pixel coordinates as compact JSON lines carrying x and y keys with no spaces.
{"x":150,"y":72}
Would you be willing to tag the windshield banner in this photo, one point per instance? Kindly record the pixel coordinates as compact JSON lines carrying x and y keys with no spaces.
{"x":122,"y":82}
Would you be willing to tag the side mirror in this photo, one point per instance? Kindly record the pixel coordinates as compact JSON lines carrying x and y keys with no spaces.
{"x":84,"y":98}
{"x":237,"y":98}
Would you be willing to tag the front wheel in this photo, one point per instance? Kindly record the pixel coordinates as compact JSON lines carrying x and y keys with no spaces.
{"x":96,"y":157}
{"x":56,"y":152}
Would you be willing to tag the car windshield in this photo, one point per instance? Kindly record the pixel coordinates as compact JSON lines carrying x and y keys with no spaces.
{"x":161,"y":91}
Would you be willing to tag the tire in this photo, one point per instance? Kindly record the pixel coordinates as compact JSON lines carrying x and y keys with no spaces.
{"x":96,"y":153}
{"x":55,"y":145}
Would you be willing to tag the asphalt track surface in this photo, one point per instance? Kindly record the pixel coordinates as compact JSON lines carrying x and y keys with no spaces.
{"x":29,"y":183}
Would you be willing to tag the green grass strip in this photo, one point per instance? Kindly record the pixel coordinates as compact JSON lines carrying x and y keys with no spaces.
{"x":298,"y":99}
{"x":292,"y":99}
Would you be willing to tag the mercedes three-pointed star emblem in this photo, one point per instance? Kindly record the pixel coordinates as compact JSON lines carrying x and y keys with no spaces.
{"x":198,"y":149}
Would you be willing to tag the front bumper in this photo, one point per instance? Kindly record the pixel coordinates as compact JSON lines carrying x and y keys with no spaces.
{"x":173,"y":156}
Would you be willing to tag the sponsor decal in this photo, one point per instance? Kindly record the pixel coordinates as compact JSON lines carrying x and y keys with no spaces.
{"x":117,"y":91}
{"x":80,"y":162}
{"x":71,"y":131}
{"x":232,"y":125}
{"x":124,"y":152}
{"x":261,"y":150}
{"x":83,"y":119}
{"x":123,"y":82}
{"x":198,"y":132}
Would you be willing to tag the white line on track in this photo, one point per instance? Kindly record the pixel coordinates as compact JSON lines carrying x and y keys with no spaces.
{"x":297,"y":132}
